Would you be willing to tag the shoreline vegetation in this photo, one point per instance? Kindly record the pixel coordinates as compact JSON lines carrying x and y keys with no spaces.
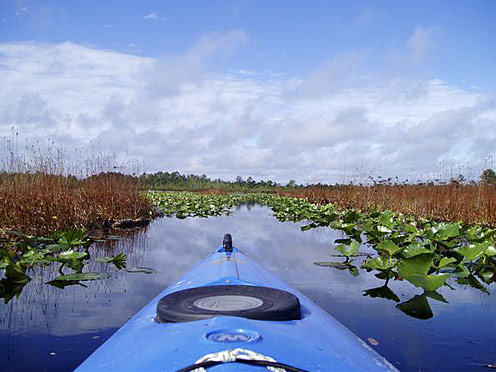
{"x":456,"y":200}
{"x":51,"y":213}
{"x":41,"y":203}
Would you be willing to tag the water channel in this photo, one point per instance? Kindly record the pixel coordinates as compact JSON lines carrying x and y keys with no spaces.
{"x":52,"y":329}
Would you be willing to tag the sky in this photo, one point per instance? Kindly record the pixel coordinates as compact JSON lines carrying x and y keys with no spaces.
{"x":315,"y":91}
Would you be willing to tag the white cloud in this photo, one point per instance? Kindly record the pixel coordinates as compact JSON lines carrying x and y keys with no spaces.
{"x":154,"y":17}
{"x":172,"y":113}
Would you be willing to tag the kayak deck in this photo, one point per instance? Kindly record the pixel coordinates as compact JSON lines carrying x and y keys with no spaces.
{"x":316,"y":342}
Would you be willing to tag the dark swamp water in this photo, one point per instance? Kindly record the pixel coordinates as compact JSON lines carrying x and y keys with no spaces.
{"x":54,"y":329}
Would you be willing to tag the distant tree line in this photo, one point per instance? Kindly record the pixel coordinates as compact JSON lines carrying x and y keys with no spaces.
{"x":177,"y":181}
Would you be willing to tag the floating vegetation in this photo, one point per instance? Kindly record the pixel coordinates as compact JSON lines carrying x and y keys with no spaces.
{"x":119,"y":261}
{"x":424,"y":252}
{"x":63,"y":281}
{"x":454,"y":201}
{"x":143,"y":270}
{"x":21,"y":253}
{"x":190,"y":204}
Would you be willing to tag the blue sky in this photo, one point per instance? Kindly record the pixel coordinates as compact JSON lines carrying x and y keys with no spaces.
{"x":290,"y":37}
{"x":313,"y":75}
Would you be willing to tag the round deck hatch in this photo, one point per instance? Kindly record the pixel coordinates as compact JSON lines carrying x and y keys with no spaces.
{"x":253,"y":302}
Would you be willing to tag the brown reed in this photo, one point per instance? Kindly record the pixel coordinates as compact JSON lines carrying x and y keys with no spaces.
{"x":469,"y":204}
{"x":41,"y":203}
{"x":44,"y":191}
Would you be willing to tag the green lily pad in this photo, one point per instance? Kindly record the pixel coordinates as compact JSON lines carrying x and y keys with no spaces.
{"x":377,"y":263}
{"x":491,"y":249}
{"x":388,"y":246}
{"x":349,"y":250}
{"x":119,"y":260}
{"x":66,"y":283}
{"x":383,"y":229}
{"x":386,"y":219}
{"x":15,"y":272}
{"x":336,"y":265}
{"x":414,"y":249}
{"x":353,"y":270}
{"x":409,"y":227}
{"x":446,"y":261}
{"x":72,"y":256}
{"x":461,"y":271}
{"x":448,"y":231}
{"x":32,"y":258}
{"x":416,"y":265}
{"x":55,"y":247}
{"x":81,"y":277}
{"x":144,"y":270}
{"x":472,"y":251}
{"x":428,"y":282}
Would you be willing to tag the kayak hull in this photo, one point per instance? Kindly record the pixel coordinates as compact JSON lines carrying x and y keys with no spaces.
{"x":316,"y":342}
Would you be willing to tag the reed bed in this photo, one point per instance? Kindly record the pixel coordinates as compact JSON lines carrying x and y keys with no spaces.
{"x":469,"y":204}
{"x":42,"y":191}
{"x":41,"y":203}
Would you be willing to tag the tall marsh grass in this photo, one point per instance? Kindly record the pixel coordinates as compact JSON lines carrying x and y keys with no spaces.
{"x":41,"y":192}
{"x":470,"y":204}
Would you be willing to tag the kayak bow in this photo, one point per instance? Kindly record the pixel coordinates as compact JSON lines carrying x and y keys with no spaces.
{"x":230,"y":313}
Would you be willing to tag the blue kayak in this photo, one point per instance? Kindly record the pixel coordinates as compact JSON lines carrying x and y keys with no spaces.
{"x":230,"y":314}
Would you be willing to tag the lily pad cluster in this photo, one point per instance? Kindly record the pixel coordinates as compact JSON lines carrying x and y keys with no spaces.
{"x":424,"y":252}
{"x":189,"y":204}
{"x":21,"y":253}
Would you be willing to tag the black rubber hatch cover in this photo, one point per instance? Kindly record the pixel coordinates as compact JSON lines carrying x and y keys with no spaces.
{"x":253,"y":302}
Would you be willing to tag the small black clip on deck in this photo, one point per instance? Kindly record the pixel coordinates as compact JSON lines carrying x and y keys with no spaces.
{"x":227,"y":243}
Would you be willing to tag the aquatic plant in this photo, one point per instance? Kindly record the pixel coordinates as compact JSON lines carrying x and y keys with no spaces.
{"x":452,"y":202}
{"x":189,"y":204}
{"x":21,"y":253}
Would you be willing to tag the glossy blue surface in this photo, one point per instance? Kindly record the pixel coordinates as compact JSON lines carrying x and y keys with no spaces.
{"x":317,"y":342}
